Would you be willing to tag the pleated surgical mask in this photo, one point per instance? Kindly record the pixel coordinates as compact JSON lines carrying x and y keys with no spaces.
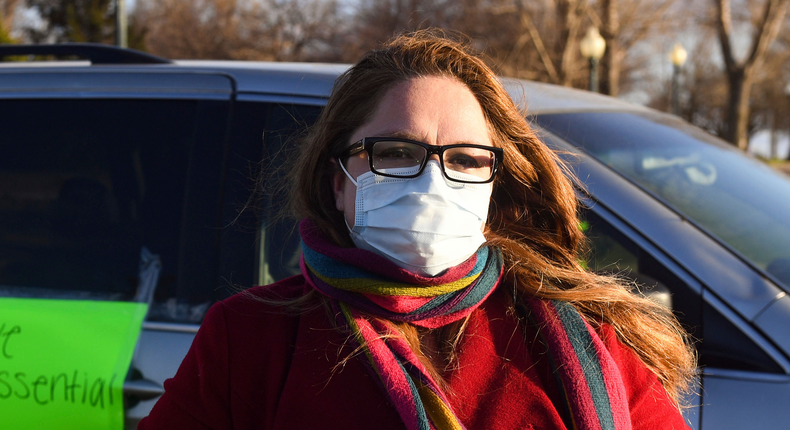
{"x":425,"y":224}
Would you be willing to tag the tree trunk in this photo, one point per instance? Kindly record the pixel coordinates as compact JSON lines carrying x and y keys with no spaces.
{"x":741,"y":74}
{"x":612,"y":57}
{"x":7,"y":9}
{"x":564,"y":19}
{"x":738,"y":111}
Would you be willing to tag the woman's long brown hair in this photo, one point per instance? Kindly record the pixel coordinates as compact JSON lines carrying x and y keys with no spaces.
{"x":533,"y":215}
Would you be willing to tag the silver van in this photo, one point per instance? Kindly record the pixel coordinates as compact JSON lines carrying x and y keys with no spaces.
{"x":131,"y":178}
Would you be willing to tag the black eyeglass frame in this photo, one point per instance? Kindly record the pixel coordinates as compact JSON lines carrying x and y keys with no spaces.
{"x":366,"y":144}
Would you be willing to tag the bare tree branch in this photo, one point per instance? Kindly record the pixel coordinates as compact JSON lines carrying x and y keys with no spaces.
{"x":283,"y":30}
{"x":537,"y":40}
{"x":775,"y":12}
{"x":573,"y":19}
{"x":640,"y":22}
{"x":593,"y":15}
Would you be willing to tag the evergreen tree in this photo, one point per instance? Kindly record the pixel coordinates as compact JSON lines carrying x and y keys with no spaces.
{"x":74,"y":21}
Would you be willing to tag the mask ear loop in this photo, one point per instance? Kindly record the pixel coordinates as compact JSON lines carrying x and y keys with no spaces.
{"x":350,"y":229}
{"x":348,"y":175}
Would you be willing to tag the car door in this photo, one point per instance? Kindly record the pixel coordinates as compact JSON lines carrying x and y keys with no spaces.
{"x":111,"y":182}
{"x":740,"y":371}
{"x":736,"y":317}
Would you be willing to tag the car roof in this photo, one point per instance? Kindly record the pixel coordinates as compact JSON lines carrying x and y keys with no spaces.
{"x":292,"y":79}
{"x":317,"y":80}
{"x":261,"y":77}
{"x":540,"y":98}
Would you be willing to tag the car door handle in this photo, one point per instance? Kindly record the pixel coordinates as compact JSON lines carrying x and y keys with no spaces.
{"x":142,"y":389}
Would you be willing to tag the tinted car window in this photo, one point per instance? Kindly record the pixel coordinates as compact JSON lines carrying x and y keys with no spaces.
{"x":732,"y":197}
{"x":89,"y":189}
{"x":260,"y":243}
{"x":613,"y":252}
{"x":718,"y":340}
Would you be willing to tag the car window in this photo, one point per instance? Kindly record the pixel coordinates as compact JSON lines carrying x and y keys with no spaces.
{"x":280,"y":244}
{"x":260,"y":243}
{"x":112,"y":200}
{"x":719,"y":341}
{"x":733,"y":197}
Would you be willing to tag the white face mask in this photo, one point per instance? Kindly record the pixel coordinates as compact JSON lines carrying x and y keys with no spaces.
{"x":425,"y":224}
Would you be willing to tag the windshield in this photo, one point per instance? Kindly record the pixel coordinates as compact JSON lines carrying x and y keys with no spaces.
{"x":738,"y":200}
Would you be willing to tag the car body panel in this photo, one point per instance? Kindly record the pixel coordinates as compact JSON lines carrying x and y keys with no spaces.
{"x":159,"y":352}
{"x":758,"y":403}
{"x":733,"y":399}
{"x":113,"y":83}
{"x":282,"y":98}
{"x":539,"y":99}
{"x":293,"y":79}
{"x":774,"y":319}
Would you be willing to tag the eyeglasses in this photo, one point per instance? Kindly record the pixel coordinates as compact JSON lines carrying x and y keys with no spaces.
{"x":466,"y":163}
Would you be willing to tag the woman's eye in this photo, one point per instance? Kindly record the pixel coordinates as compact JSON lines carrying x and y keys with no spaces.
{"x":464,"y":161}
{"x":393,"y":153}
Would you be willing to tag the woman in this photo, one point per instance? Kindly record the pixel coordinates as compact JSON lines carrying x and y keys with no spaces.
{"x":440,"y":285}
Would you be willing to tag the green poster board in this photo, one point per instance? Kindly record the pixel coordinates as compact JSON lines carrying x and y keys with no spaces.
{"x":63,"y":362}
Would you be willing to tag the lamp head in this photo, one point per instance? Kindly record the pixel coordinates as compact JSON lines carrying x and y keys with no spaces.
{"x":593,"y":44}
{"x":678,"y":55}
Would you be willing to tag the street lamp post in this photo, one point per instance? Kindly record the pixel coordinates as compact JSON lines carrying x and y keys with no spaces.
{"x":678,"y":57}
{"x":592,"y":47}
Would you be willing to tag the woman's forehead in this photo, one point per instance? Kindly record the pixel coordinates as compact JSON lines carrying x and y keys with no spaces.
{"x":435,"y":110}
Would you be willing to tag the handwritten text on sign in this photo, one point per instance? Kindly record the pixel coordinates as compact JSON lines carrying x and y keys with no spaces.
{"x":63,"y":362}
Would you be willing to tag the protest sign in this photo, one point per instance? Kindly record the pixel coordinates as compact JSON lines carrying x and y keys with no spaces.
{"x":63,"y":362}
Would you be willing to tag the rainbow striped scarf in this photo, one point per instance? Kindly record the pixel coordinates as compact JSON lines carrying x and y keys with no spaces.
{"x":595,"y":397}
{"x":366,"y":290}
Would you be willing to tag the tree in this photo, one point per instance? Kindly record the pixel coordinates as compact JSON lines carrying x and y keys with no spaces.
{"x":281,"y":30}
{"x":767,"y":21}
{"x":705,"y":87}
{"x":770,"y":104}
{"x":5,"y":36}
{"x":624,"y":24}
{"x":7,"y":12}
{"x":553,"y":29}
{"x":73,"y":21}
{"x":545,"y":41}
{"x":376,"y":21}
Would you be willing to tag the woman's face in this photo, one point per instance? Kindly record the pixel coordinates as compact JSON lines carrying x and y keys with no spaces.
{"x":434,"y":110}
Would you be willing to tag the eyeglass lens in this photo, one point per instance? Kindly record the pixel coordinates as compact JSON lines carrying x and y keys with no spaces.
{"x":471,"y":161}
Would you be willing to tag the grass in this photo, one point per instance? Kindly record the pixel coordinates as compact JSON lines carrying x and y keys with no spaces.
{"x":780,"y":165}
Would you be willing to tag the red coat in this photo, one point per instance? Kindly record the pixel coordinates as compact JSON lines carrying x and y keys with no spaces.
{"x":252,"y":366}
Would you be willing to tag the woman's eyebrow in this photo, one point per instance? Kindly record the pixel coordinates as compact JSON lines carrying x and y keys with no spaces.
{"x":406,"y":135}
{"x":401,"y":135}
